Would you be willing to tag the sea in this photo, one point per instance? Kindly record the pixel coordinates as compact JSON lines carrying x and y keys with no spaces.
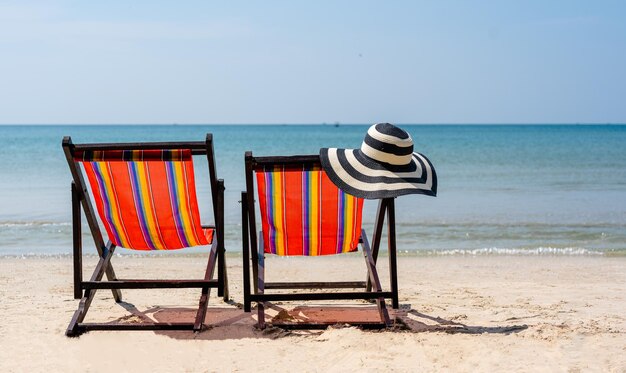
{"x":503,"y":189}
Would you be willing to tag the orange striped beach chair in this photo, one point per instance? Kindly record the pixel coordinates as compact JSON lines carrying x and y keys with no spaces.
{"x":145,"y":198}
{"x":303,"y":213}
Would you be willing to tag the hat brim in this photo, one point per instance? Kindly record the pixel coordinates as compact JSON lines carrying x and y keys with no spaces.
{"x":362,"y":177}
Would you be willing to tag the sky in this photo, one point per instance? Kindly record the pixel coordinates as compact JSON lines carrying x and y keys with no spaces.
{"x":228,"y":62}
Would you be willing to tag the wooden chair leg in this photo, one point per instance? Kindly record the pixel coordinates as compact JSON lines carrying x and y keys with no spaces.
{"x":393,"y":263}
{"x":219,"y":225}
{"x":226,"y":297}
{"x":261,"y":285}
{"x":85,"y":302}
{"x":206,"y":292}
{"x":375,"y":280}
{"x":77,"y":243}
{"x":202,"y":309}
{"x":245,"y":249}
{"x":378,"y":229}
{"x":222,"y":263}
{"x":111,"y":276}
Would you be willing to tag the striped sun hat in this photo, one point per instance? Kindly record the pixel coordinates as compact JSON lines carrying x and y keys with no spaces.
{"x":384,"y":167}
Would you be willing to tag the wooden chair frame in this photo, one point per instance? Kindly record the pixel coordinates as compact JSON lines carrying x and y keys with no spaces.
{"x":370,"y":289}
{"x":85,"y":290}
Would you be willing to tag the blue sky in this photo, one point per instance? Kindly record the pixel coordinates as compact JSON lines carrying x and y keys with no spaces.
{"x":312,"y":62}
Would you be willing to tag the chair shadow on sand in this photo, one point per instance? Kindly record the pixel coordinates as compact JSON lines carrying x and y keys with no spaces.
{"x":224,"y":323}
{"x":416,"y":321}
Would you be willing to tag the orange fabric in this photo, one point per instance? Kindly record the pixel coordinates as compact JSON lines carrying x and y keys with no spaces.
{"x":146,"y":199}
{"x":304,"y":213}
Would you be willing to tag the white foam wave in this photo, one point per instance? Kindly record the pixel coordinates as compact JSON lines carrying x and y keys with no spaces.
{"x":11,"y":224}
{"x":538,"y":251}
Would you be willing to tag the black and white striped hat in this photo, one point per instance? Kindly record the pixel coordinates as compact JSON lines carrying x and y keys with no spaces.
{"x":384,"y":167}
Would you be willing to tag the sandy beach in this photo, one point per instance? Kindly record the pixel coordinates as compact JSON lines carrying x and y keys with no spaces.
{"x":495,"y":313}
{"x":486,"y":138}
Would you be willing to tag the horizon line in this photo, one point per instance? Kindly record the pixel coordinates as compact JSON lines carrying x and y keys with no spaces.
{"x":328,"y":124}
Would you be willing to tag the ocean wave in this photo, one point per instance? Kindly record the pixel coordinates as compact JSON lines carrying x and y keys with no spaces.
{"x":25,"y":224}
{"x":489,"y":251}
{"x":538,"y":251}
{"x":507,"y":224}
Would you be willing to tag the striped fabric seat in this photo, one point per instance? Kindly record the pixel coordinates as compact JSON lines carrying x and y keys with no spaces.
{"x":304,"y":213}
{"x":146,"y":199}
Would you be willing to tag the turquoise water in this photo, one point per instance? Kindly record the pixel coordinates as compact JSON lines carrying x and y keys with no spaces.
{"x":553,"y":189}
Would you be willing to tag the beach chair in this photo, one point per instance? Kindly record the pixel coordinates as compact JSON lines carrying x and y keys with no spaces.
{"x":304,"y":214}
{"x":145,"y":197}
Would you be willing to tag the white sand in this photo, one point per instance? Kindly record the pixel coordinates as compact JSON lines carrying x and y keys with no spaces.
{"x":462,"y":314}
